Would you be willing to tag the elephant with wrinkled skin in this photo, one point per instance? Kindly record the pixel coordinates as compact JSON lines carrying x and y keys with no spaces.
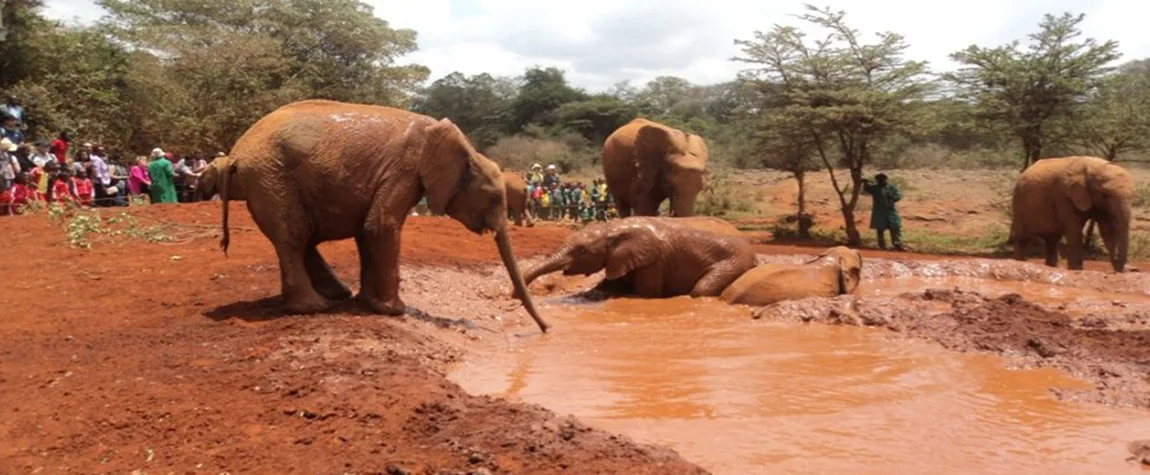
{"x":646,"y":162}
{"x":318,"y":170}
{"x":516,"y":188}
{"x":652,"y":257}
{"x":707,"y":223}
{"x":835,"y":272}
{"x":1053,"y":199}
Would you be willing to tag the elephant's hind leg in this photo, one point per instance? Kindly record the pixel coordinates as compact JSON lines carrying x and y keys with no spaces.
{"x":289,"y":230}
{"x":1051,"y":250}
{"x":322,"y":277}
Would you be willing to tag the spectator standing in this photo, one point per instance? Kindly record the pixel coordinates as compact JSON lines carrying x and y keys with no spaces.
{"x":138,"y":181}
{"x":41,"y":154}
{"x":536,"y":175}
{"x":12,"y":108}
{"x":59,"y":147}
{"x":9,"y":167}
{"x":558,"y":203}
{"x":551,"y":178}
{"x":11,"y":129}
{"x":163,"y":187}
{"x":883,"y":215}
{"x":101,"y":176}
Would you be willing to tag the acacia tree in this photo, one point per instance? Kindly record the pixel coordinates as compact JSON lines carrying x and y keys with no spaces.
{"x":839,"y":95}
{"x":1116,"y":120}
{"x":1027,"y":91}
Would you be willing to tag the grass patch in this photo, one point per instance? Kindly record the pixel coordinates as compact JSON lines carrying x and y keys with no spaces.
{"x":1142,"y":195}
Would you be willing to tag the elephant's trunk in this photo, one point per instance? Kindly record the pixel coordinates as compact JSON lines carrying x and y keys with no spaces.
{"x":503,"y":241}
{"x":554,"y":263}
{"x":683,"y":206}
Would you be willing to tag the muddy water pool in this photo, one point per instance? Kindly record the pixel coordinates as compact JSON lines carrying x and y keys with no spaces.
{"x":740,"y":396}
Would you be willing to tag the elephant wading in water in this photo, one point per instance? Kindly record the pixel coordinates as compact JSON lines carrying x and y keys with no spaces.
{"x":646,"y":162}
{"x":1053,"y":199}
{"x":315,"y":171}
{"x":835,"y":272}
{"x":652,"y":257}
{"x":516,"y":190}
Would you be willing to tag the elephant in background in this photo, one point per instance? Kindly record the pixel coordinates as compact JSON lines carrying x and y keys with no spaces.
{"x":1053,"y":199}
{"x":516,"y":189}
{"x":645,"y":163}
{"x":318,"y":170}
{"x":652,"y":257}
{"x":835,"y":272}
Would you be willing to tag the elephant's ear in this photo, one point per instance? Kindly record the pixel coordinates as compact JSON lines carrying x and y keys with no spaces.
{"x":653,"y":141}
{"x":629,"y":251}
{"x":850,"y":272}
{"x":446,"y":164}
{"x":1074,"y":185}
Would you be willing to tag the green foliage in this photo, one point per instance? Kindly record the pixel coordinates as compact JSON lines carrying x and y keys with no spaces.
{"x":596,"y":117}
{"x":480,"y":105}
{"x":722,"y":197}
{"x":1031,"y":92}
{"x":1142,"y":195}
{"x":837,"y":97}
{"x":542,"y":93}
{"x":569,"y":152}
{"x":1116,"y":120}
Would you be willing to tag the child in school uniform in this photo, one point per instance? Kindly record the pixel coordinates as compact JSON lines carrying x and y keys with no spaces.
{"x":84,"y":189}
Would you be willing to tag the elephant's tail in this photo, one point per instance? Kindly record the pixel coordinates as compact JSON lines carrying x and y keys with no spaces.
{"x":224,"y":181}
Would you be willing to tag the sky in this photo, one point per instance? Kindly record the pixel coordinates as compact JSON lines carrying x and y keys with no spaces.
{"x":602,"y":42}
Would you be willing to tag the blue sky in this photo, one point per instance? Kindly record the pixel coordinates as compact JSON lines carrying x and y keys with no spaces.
{"x":601,"y":42}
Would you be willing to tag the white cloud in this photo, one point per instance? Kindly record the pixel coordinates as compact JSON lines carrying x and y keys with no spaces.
{"x":601,"y":42}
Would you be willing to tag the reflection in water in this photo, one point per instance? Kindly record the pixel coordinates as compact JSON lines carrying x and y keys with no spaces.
{"x":742,"y":396}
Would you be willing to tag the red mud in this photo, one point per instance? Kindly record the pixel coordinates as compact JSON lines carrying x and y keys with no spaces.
{"x":159,"y":358}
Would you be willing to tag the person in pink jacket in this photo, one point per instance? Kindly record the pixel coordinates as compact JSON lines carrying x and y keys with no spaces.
{"x":138,"y":180}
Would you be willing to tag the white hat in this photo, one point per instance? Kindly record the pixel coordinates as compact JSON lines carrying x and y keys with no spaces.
{"x":156,"y":152}
{"x":550,"y":167}
{"x":536,"y":166}
{"x":8,"y":145}
{"x":87,"y":144}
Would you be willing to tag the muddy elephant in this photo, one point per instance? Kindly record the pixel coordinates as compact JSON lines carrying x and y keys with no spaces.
{"x":646,"y":162}
{"x":1054,"y":198}
{"x":317,"y":170}
{"x":652,"y":257}
{"x":835,"y":272}
{"x":516,"y":188}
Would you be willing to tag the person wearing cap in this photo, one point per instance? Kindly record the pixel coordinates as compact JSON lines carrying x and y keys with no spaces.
{"x":550,"y":178}
{"x":41,"y":154}
{"x":11,"y":130}
{"x":163,"y":178}
{"x":883,"y":215}
{"x":536,"y":175}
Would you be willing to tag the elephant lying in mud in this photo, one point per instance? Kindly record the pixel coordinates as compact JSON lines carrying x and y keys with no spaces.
{"x":318,"y":170}
{"x":835,"y":272}
{"x":1054,"y":198}
{"x":653,"y":257}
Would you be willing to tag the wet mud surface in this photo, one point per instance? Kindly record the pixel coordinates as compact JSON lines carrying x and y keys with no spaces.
{"x":173,"y":358}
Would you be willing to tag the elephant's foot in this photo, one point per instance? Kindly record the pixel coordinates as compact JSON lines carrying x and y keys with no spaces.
{"x":387,"y":307}
{"x":313,"y":303}
{"x":334,"y":291}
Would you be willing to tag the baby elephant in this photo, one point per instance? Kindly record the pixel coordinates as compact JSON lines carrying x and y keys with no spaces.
{"x":653,"y":257}
{"x":835,"y":272}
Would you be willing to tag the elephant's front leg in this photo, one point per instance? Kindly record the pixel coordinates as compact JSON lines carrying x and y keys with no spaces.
{"x":367,"y":272}
{"x":1074,"y":248}
{"x":383,"y":239}
{"x":1051,"y":250}
{"x":322,"y":277}
{"x":649,"y":282}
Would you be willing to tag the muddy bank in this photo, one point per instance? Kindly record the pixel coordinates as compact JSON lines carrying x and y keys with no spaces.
{"x":162,"y":358}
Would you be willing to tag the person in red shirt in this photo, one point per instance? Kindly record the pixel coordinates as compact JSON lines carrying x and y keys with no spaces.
{"x":61,"y":190}
{"x":84,"y":187}
{"x":23,"y":192}
{"x":6,"y":201}
{"x":59,"y":147}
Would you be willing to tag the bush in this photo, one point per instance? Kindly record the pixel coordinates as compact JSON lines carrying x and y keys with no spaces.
{"x":939,"y":157}
{"x":722,"y":197}
{"x":1142,"y":195}
{"x":518,"y":152}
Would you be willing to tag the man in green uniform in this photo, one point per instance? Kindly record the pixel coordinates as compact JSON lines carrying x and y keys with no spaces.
{"x":883,"y":215}
{"x":163,"y":178}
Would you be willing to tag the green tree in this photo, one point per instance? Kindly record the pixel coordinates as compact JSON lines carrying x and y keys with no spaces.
{"x":480,"y":105}
{"x":596,"y":117}
{"x":838,"y":94}
{"x":25,"y":25}
{"x":238,"y":60}
{"x":1028,"y":91}
{"x":1116,"y":119}
{"x":542,"y":92}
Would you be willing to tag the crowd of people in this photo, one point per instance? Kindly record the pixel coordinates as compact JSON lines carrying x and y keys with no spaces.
{"x":550,"y":199}
{"x":55,"y":172}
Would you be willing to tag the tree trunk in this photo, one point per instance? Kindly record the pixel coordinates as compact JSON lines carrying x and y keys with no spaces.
{"x":804,"y":223}
{"x":853,"y":236}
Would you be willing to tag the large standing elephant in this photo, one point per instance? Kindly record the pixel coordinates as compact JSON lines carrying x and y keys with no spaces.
{"x":646,"y":162}
{"x":516,"y":188}
{"x":835,"y":272}
{"x":317,"y":170}
{"x":652,"y":257}
{"x":1053,"y":199}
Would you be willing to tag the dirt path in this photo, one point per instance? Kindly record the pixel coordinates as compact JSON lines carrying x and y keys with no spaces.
{"x":171,"y":359}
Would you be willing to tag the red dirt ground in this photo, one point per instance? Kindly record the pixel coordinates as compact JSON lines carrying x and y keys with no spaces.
{"x":137,"y":357}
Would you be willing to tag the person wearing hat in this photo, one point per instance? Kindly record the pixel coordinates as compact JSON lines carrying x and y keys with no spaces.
{"x":12,"y":108}
{"x":550,"y":178}
{"x":11,"y":129}
{"x":163,"y":177}
{"x":41,"y":154}
{"x":536,"y":175}
{"x":883,"y":215}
